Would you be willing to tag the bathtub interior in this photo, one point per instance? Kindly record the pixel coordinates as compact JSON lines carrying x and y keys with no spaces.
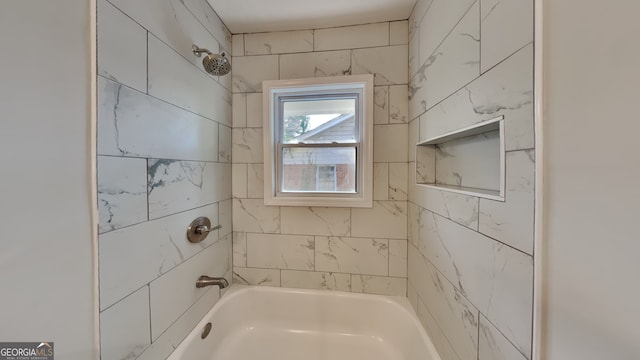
{"x":277,"y":323}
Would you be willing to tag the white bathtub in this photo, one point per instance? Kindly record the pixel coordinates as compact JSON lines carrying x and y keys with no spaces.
{"x":260,"y":323}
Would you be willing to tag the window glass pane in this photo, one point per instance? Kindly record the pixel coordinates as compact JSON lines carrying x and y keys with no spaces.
{"x":319,"y":169}
{"x":319,"y":120}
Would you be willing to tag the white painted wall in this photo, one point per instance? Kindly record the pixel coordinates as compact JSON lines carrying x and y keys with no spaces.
{"x":46,"y":263}
{"x":592,"y":193}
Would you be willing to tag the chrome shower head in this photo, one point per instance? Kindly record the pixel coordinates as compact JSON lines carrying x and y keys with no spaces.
{"x":214,"y":64}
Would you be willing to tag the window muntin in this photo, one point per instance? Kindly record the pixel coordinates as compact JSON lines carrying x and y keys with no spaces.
{"x":318,"y":149}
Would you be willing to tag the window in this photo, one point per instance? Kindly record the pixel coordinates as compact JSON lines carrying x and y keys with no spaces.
{"x":318,"y":141}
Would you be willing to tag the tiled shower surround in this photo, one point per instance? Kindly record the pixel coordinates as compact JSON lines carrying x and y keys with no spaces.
{"x":470,"y":259}
{"x":164,"y":158}
{"x":172,"y":140}
{"x":348,"y":249}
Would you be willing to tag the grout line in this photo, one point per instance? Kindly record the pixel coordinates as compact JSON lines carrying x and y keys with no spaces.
{"x":143,"y":157}
{"x":147,"y":54}
{"x":478,"y":338}
{"x":485,"y":235}
{"x":480,"y":37}
{"x":503,"y":335}
{"x":150,"y":321}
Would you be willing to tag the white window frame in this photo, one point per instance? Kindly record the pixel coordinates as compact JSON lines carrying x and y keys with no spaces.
{"x":272,"y":91}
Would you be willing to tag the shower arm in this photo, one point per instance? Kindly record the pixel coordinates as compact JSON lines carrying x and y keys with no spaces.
{"x":197,"y":51}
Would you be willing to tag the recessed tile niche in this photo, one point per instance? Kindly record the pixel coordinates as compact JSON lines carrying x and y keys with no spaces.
{"x":468,"y":160}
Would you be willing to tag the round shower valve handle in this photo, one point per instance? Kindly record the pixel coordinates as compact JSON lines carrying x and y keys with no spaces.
{"x":199,"y":229}
{"x":203,"y":229}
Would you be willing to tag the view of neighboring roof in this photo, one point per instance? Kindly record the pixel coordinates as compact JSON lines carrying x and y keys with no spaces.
{"x":324,"y":127}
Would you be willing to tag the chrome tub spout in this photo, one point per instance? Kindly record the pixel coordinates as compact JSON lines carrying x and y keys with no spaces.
{"x":209,"y":281}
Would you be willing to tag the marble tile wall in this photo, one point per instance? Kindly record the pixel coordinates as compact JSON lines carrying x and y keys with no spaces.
{"x":470,"y":259}
{"x":359,"y":250}
{"x":164,"y":158}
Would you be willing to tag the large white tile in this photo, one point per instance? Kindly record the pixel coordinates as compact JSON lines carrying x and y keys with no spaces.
{"x":398,"y":104}
{"x":316,"y":221}
{"x":381,"y":105}
{"x":122,"y":48}
{"x":437,"y":337}
{"x":237,"y":45}
{"x":239,"y":116}
{"x":254,"y":110}
{"x":399,"y":32}
{"x":425,"y":164}
{"x":380,"y":181}
{"x":260,"y":277}
{"x":316,"y":280}
{"x":412,"y":296}
{"x":387,"y":219}
{"x":225,"y":218}
{"x":316,"y":64}
{"x":418,"y":13}
{"x":173,"y":336}
{"x":494,"y":346}
{"x":398,"y":258}
{"x":176,"y":186}
{"x":462,"y":209}
{"x":251,"y":215}
{"x":507,"y":25}
{"x":511,"y":221}
{"x":171,"y":22}
{"x":413,"y":52}
{"x":210,"y":20}
{"x":379,"y":285}
{"x":452,"y":312}
{"x":239,"y":180}
{"x":224,"y":144}
{"x":505,"y":90}
{"x":124,"y":328}
{"x":292,"y":252}
{"x":246,"y":146}
{"x":390,"y":143}
{"x":388,"y":64}
{"x":496,"y":278}
{"x":352,"y":255}
{"x":250,"y":71}
{"x":352,"y":37}
{"x":255,"y":181}
{"x":456,"y":62}
{"x":131,"y":123}
{"x":414,"y":136}
{"x":240,"y":249}
{"x":441,"y":17}
{"x":398,"y":181}
{"x":281,"y":42}
{"x":122,"y":192}
{"x":417,"y":93}
{"x":174,"y":292}
{"x":175,"y":80}
{"x":413,"y":223}
{"x":136,"y":255}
